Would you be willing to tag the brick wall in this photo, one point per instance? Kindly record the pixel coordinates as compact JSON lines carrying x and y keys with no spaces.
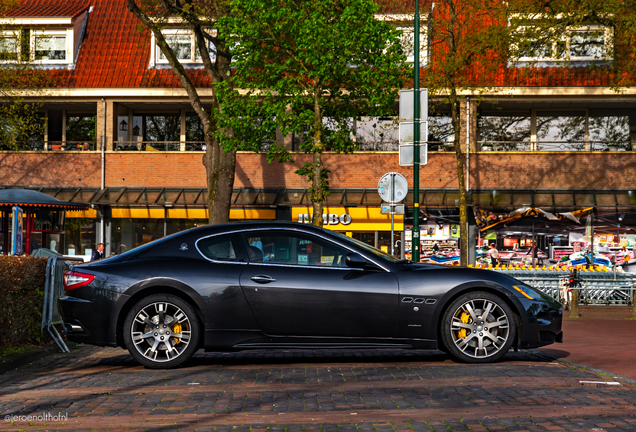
{"x":50,"y":169}
{"x":488,"y":170}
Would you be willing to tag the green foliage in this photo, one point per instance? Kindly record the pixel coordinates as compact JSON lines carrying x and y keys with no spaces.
{"x":309,"y":68}
{"x":21,"y":296}
{"x":319,"y":194}
{"x":21,"y":121}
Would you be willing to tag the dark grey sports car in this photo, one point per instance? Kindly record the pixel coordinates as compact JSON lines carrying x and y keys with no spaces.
{"x":286,"y":285}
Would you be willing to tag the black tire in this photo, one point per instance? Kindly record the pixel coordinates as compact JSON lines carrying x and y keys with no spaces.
{"x":479,"y":343}
{"x":156,"y":346}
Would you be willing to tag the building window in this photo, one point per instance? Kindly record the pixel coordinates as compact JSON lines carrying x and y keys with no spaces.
{"x":407,"y":38}
{"x":183,"y":43}
{"x":180,"y":44}
{"x":50,"y":47}
{"x":9,"y":46}
{"x":591,"y":43}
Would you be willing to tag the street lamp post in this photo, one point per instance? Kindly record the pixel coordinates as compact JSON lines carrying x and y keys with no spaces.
{"x":415,"y":239}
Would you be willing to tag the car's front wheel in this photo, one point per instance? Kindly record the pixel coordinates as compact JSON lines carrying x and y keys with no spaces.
{"x":478,"y":327}
{"x":161,"y":331}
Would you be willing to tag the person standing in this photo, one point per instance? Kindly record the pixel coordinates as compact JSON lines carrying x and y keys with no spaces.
{"x":494,"y":254}
{"x":99,"y":253}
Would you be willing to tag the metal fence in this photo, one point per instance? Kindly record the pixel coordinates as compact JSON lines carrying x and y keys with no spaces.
{"x":527,"y":146}
{"x":53,"y":290}
{"x":597,"y":288}
{"x":50,"y":146}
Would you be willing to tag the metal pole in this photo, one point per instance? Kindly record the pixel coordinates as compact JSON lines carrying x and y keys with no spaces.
{"x":392,"y":238}
{"x":416,"y":137}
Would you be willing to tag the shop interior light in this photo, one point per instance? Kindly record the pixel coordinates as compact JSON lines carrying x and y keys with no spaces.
{"x":621,"y":217}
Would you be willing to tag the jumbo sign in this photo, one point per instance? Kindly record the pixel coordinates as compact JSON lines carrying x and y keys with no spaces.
{"x":327,"y":219}
{"x":350,"y":218}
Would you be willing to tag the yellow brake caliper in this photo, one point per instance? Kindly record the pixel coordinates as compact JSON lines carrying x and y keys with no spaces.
{"x":464,"y":318}
{"x":177,"y":329}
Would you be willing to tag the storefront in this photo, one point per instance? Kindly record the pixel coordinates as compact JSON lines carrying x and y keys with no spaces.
{"x":43,"y":220}
{"x":365,"y":223}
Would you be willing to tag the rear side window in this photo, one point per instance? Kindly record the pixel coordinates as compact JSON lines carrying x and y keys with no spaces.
{"x":221,"y":248}
{"x":293,"y":248}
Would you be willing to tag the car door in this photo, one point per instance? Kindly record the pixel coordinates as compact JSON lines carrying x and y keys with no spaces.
{"x":297,"y":284}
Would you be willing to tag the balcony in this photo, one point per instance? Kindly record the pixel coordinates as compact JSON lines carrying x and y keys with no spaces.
{"x":161,"y":146}
{"x":50,"y":146}
{"x":554,"y":146}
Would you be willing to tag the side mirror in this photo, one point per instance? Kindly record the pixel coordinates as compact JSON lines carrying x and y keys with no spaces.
{"x":355,"y":260}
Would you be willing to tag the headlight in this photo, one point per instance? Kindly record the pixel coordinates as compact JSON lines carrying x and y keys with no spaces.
{"x":528,"y":292}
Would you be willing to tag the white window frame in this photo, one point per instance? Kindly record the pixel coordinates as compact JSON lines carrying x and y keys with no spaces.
{"x":67,"y":33}
{"x":423,"y":45}
{"x":608,"y":36}
{"x":12,"y":33}
{"x":155,"y":58}
{"x":399,"y":19}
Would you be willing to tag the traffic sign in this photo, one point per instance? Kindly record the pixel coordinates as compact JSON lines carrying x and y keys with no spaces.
{"x":407,"y":103}
{"x":393,"y":187}
{"x":392,"y":209}
{"x":406,"y":154}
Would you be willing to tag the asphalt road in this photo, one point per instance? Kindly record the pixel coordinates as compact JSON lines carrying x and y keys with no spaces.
{"x":321,"y":391}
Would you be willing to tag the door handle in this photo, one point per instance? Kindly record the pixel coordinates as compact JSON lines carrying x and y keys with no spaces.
{"x":263,"y":279}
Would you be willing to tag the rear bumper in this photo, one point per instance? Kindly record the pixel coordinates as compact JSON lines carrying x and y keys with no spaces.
{"x":85,"y":322}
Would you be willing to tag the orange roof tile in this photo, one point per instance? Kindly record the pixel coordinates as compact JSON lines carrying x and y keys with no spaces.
{"x":115,"y":53}
{"x":49,"y":8}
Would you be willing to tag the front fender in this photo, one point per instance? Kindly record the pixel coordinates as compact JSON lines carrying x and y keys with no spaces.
{"x":508,"y":296}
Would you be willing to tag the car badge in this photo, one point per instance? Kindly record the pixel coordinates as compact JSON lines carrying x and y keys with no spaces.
{"x":184,"y":246}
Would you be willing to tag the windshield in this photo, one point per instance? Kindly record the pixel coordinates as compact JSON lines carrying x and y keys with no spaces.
{"x":368,"y":248}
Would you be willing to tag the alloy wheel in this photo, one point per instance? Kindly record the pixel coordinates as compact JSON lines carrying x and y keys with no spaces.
{"x":480,"y":328}
{"x":161,"y":331}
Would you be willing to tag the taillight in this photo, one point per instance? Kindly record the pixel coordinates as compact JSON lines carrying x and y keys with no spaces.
{"x":74,"y":279}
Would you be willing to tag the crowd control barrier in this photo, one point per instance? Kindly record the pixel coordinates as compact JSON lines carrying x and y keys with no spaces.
{"x":597,"y":287}
{"x":53,"y":290}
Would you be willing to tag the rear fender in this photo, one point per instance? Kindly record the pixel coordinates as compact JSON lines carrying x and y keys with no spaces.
{"x":148,"y":287}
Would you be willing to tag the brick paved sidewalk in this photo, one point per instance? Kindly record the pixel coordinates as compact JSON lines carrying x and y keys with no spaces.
{"x":601,"y":338}
{"x":322,"y":391}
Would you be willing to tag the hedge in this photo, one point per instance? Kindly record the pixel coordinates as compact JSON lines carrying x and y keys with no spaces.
{"x":21,"y":300}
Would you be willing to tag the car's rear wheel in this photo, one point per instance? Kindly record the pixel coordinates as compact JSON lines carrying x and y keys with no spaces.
{"x":161,"y":331}
{"x":478,"y":327}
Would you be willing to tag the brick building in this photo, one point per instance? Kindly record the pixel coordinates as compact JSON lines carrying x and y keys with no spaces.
{"x":120,"y":135}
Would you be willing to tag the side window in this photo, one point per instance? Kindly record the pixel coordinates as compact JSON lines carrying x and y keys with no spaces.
{"x":221,"y":248}
{"x":290,"y":248}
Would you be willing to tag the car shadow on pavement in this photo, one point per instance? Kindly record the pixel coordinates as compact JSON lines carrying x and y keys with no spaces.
{"x":264,"y":358}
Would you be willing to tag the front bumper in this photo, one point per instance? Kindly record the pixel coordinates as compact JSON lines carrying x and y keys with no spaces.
{"x":543,"y":325}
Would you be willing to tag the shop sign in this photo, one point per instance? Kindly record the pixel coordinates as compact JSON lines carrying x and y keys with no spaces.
{"x":350,"y":218}
{"x":327,"y":219}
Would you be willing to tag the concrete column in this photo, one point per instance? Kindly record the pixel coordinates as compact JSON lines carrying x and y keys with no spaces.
{"x":632,"y":131}
{"x":472,"y":237}
{"x":63,"y":125}
{"x":472,"y":127}
{"x":533,"y":128}
{"x":111,"y":123}
{"x":107,"y":220}
{"x":129,"y":138}
{"x":182,"y":135}
{"x":46,"y":129}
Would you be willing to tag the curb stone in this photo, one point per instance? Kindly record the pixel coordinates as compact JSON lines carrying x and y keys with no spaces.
{"x":580,"y":365}
{"x":13,"y":361}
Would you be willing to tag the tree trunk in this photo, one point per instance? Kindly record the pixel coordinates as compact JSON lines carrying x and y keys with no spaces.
{"x":318,"y":194}
{"x":461,"y":179}
{"x":219,"y":166}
